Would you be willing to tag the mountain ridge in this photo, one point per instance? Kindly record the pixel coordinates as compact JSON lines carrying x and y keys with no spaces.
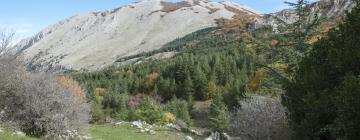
{"x":325,"y":9}
{"x":95,"y":40}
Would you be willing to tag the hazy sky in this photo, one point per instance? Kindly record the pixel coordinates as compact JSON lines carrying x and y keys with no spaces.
{"x":27,"y":17}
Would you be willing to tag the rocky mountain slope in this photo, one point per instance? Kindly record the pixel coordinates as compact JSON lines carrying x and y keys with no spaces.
{"x":95,"y":40}
{"x":326,"y":9}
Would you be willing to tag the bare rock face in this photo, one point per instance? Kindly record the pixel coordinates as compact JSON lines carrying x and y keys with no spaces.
{"x":95,"y":40}
{"x":328,"y":9}
{"x":333,"y":8}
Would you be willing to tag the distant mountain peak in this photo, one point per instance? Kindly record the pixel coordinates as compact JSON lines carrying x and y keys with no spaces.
{"x":95,"y":40}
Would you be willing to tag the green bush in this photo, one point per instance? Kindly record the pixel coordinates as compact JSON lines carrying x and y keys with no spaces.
{"x":116,"y":105}
{"x":147,"y":111}
{"x":180,"y":109}
{"x":97,"y":112}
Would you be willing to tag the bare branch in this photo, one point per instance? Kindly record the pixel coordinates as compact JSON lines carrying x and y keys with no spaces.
{"x":6,"y":39}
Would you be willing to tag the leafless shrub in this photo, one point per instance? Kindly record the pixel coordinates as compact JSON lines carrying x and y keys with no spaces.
{"x":10,"y":69}
{"x":50,"y":108}
{"x":260,"y":118}
{"x":5,"y":42}
{"x":40,"y":104}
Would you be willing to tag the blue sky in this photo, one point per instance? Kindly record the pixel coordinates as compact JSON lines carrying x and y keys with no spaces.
{"x":27,"y":17}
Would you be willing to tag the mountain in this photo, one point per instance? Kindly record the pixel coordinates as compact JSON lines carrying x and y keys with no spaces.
{"x":95,"y":40}
{"x":330,"y":10}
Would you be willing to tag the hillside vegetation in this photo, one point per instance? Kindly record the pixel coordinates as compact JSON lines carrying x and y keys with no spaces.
{"x":225,"y":65}
{"x":298,"y":81}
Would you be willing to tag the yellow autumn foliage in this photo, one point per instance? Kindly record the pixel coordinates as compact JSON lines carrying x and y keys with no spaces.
{"x":255,"y":81}
{"x":283,"y":67}
{"x":169,"y":118}
{"x":249,"y":49}
{"x":313,"y":39}
{"x":100,"y":91}
{"x":72,"y":85}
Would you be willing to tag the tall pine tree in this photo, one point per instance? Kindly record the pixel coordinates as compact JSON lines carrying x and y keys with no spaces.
{"x":321,"y":97}
{"x":218,"y":116}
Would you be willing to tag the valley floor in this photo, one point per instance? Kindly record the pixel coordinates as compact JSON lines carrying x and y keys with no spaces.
{"x":126,"y":132}
{"x":112,"y":132}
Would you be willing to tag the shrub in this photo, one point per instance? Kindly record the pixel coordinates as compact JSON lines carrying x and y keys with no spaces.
{"x":180,"y":109}
{"x":260,"y":118}
{"x":169,"y":118}
{"x":97,"y":112}
{"x":44,"y":106}
{"x":147,"y":110}
{"x":38,"y":104}
{"x":116,"y":105}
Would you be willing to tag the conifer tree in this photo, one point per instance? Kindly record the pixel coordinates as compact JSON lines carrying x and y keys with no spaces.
{"x":322,"y":97}
{"x":218,"y":115}
{"x":189,"y":90}
{"x":301,"y":28}
{"x":180,"y":73}
{"x":200,"y":84}
{"x":298,"y":33}
{"x":211,"y":90}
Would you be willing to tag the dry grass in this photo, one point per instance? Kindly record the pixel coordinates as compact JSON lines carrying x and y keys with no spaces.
{"x":100,"y":91}
{"x":274,"y":43}
{"x":171,"y":6}
{"x":240,"y":22}
{"x":314,"y":39}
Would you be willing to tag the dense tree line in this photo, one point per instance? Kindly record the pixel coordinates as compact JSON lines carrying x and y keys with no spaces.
{"x":178,"y":44}
{"x":323,"y":98}
{"x":320,"y":91}
{"x":200,"y":76}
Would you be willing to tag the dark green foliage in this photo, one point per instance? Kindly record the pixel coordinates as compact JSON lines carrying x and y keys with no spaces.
{"x":313,"y":96}
{"x":97,"y":111}
{"x":235,"y":94}
{"x":219,"y":118}
{"x":190,"y":76}
{"x":185,"y":76}
{"x":302,"y":28}
{"x":207,"y":63}
{"x":211,"y":90}
{"x":147,"y":111}
{"x":164,"y":89}
{"x":176,"y":45}
{"x":200,"y":84}
{"x":116,"y":105}
{"x":180,"y":109}
{"x":294,"y":40}
{"x":188,"y":87}
{"x":348,"y":109}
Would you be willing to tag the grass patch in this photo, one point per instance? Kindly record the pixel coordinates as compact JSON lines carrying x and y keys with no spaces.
{"x":126,"y":132}
{"x":121,"y":132}
{"x":11,"y":136}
